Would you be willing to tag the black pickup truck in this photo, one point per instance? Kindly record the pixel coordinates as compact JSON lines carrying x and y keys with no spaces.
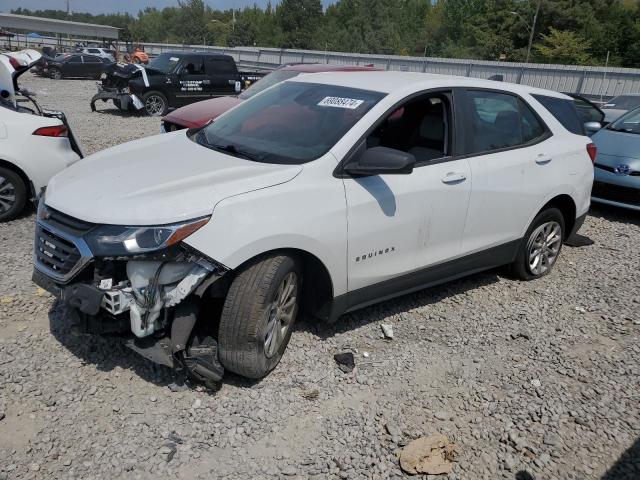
{"x":172,"y":80}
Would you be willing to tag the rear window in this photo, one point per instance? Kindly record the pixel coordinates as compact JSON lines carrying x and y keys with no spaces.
{"x":564,"y":111}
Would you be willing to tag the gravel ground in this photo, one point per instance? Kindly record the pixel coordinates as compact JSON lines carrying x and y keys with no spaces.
{"x":531,"y":380}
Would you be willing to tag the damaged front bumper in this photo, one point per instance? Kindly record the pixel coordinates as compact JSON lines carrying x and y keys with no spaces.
{"x":121,"y":98}
{"x":156,"y":296}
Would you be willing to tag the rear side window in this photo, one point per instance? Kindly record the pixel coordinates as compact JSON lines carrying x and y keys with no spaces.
{"x":500,"y":120}
{"x":220,"y":66}
{"x":564,"y":111}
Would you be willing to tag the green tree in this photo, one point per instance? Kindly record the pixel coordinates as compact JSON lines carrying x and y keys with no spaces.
{"x":564,"y":47}
{"x":298,"y":21}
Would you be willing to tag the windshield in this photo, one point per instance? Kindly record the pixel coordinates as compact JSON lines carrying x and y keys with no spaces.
{"x":268,"y":81}
{"x":629,"y":122}
{"x":623,"y":102}
{"x":292,"y":123}
{"x":165,"y":62}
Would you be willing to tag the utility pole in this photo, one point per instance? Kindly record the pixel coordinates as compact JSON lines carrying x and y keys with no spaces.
{"x":68,"y":8}
{"x":531,"y":28}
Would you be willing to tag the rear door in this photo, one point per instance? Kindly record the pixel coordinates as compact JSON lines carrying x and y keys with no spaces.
{"x":190,"y":83}
{"x":222,"y":72}
{"x":92,"y":66}
{"x":511,"y":153}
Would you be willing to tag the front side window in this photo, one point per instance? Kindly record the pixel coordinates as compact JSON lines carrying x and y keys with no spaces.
{"x":499,"y":121}
{"x":292,"y":123}
{"x":91,"y":59}
{"x":75,"y":59}
{"x":420,"y":127}
{"x":193,"y":66}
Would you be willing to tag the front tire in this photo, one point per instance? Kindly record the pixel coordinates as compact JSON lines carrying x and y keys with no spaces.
{"x":258,"y":315}
{"x":13,"y":194}
{"x":155,"y":104}
{"x":55,"y":73}
{"x":541,"y":245}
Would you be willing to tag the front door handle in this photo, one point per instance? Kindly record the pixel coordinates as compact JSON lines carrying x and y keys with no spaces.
{"x":454,"y":177}
{"x":543,"y":159}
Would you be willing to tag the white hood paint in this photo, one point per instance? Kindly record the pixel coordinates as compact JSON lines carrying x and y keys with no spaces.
{"x":157,"y":180}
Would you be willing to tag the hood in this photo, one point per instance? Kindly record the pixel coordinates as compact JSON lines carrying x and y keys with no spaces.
{"x":157,"y":180}
{"x":12,"y":65}
{"x":617,"y":144}
{"x":198,"y":114}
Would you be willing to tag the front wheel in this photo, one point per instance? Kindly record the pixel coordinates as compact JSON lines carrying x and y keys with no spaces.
{"x":541,"y":245}
{"x":258,"y":315}
{"x":55,"y":73}
{"x":13,"y":194}
{"x":155,"y":104}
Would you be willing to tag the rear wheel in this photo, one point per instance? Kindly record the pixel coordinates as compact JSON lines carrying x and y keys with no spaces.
{"x":258,"y":315}
{"x":541,"y":245}
{"x":13,"y":194}
{"x":155,"y":104}
{"x":55,"y":73}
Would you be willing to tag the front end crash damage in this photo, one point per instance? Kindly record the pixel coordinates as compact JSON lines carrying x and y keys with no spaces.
{"x":156,"y":298}
{"x":115,"y":86}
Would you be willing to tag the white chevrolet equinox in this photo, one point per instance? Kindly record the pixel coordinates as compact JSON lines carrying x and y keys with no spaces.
{"x":323,"y":194}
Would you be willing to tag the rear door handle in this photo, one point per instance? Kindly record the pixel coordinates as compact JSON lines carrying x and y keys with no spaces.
{"x":454,"y":177}
{"x":543,"y":159}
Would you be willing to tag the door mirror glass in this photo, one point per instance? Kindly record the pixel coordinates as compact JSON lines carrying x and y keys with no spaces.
{"x":381,"y":161}
{"x":592,"y":127}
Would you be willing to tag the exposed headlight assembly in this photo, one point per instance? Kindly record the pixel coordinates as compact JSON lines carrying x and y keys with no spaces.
{"x":114,"y":240}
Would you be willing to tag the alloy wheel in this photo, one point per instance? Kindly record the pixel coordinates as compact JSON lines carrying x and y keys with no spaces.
{"x":7,"y":195}
{"x":543,"y":247}
{"x":281,"y":314}
{"x":154,"y":105}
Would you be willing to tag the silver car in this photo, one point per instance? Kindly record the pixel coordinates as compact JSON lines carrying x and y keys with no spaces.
{"x":617,"y":166}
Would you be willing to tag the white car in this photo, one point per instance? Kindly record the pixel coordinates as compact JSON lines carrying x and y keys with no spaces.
{"x":323,"y":194}
{"x":98,"y":52}
{"x":35,"y":144}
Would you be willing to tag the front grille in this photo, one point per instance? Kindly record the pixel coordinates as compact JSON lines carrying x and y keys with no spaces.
{"x":54,"y":253}
{"x":66,"y":223}
{"x":616,"y":193}
{"x":633,"y":173}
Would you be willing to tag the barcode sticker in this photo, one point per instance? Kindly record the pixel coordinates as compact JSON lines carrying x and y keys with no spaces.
{"x":338,"y":102}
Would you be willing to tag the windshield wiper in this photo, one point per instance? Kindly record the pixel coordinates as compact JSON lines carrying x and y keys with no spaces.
{"x":228,"y":148}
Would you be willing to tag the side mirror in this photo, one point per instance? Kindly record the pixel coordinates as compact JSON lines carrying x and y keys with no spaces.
{"x":592,"y":127}
{"x":381,"y":161}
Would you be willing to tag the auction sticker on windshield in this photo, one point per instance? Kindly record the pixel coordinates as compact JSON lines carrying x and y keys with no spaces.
{"x":338,"y":102}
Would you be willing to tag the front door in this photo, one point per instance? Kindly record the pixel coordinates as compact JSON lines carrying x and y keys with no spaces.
{"x":73,"y":66}
{"x":190,"y":83}
{"x":400,"y":224}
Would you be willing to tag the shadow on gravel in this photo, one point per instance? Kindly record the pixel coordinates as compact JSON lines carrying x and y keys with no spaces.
{"x":106,"y":109}
{"x":109,"y":352}
{"x":106,"y":352}
{"x":615,"y":214}
{"x":380,"y":311}
{"x":627,"y":467}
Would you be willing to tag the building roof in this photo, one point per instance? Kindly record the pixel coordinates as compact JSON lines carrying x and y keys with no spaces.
{"x":50,"y":25}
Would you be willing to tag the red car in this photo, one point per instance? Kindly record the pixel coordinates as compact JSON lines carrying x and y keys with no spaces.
{"x":199,"y":114}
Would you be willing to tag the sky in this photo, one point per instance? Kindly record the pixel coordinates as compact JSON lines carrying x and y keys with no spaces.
{"x":131,"y":6}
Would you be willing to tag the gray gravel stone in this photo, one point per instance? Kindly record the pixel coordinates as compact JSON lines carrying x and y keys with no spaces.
{"x":457,"y":351}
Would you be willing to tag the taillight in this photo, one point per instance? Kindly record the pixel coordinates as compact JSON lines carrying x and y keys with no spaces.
{"x":592,"y":150}
{"x":14,"y":63}
{"x":57,"y":131}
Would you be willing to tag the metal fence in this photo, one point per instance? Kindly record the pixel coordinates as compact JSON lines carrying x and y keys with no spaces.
{"x":588,"y":81}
